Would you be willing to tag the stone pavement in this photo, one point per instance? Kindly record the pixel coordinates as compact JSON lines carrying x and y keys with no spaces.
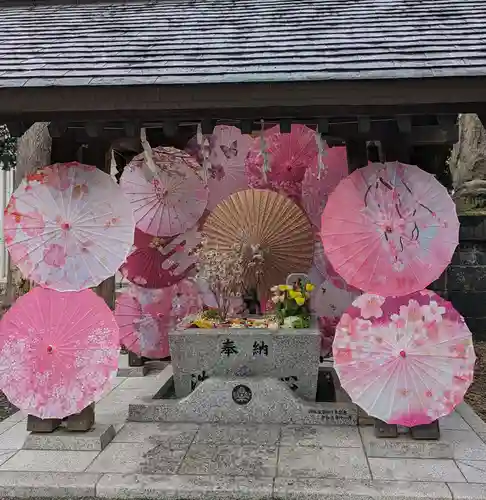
{"x":209,"y":461}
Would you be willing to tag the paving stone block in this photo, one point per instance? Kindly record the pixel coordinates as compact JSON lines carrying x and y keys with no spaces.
{"x":320,"y":436}
{"x":404,"y":446}
{"x":473,"y":470}
{"x":145,"y":458}
{"x":454,"y":421}
{"x":136,"y":486}
{"x":230,"y":460}
{"x":49,"y":461}
{"x":95,"y":439}
{"x":466,"y":444}
{"x":338,"y":489}
{"x":47,"y":484}
{"x":14,"y":437}
{"x":414,"y":469}
{"x":173,"y":436}
{"x":466,"y":491}
{"x":264,"y":435}
{"x":344,"y":463}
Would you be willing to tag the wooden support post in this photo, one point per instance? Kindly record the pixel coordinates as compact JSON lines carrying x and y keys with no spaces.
{"x":357,"y":153}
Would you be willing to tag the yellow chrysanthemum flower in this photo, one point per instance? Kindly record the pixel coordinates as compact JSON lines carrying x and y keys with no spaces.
{"x":309,"y":287}
{"x":300,"y":301}
{"x":284,"y":288}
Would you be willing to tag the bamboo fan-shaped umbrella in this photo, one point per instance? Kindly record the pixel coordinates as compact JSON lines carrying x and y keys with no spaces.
{"x":269,"y":220}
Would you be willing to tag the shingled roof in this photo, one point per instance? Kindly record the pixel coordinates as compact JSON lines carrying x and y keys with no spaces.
{"x":211,"y":41}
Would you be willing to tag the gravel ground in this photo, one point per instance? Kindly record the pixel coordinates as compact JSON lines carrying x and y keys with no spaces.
{"x":476,"y":396}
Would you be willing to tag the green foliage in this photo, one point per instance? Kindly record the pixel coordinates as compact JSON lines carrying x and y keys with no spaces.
{"x":8,"y":149}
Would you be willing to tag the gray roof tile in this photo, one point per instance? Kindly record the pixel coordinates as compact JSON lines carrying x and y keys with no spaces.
{"x":135,"y":42}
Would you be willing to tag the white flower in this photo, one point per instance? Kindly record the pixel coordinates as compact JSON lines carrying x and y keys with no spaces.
{"x":433,"y":311}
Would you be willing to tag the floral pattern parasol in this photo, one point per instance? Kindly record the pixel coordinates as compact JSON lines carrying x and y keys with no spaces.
{"x":68,"y":226}
{"x":405,"y":360}
{"x":289,"y":156}
{"x":169,"y":201}
{"x":58,"y":352}
{"x":398,"y":231}
{"x":227,"y":150}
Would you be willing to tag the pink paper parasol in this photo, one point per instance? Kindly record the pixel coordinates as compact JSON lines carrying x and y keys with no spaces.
{"x":68,"y":227}
{"x":144,"y":319}
{"x":398,"y":230}
{"x":228,"y":148}
{"x":289,"y":155}
{"x":58,"y":352}
{"x":170,"y":201}
{"x":161,"y":262}
{"x":405,"y":360}
{"x":317,"y":186}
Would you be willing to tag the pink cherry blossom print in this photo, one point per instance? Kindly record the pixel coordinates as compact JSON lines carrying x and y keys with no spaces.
{"x":370,"y":305}
{"x":32,"y":224}
{"x":63,"y":225}
{"x":392,"y":239}
{"x":51,"y":365}
{"x":55,"y":255}
{"x":418,"y":368}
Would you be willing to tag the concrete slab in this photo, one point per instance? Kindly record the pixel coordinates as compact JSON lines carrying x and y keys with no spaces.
{"x":474,"y":470}
{"x":345,"y":463}
{"x":471,"y":418}
{"x":48,"y":484}
{"x":174,"y":436}
{"x":138,"y":486}
{"x":49,"y":461}
{"x":317,"y":489}
{"x":415,"y":469}
{"x":262,"y":435}
{"x":465,"y":491}
{"x":319,"y":436}
{"x":404,"y":446}
{"x":230,"y":460}
{"x":454,"y":421}
{"x":466,"y":445}
{"x":14,"y":437}
{"x":96,"y":439}
{"x":145,"y":458}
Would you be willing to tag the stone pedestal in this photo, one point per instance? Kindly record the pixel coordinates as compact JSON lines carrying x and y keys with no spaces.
{"x":95,"y":439}
{"x":36,"y":424}
{"x":125,"y":370}
{"x":242,"y":400}
{"x":289,"y":355}
{"x":82,"y":421}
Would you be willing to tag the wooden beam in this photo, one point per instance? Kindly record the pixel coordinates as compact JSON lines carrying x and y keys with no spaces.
{"x":124,"y":101}
{"x":377,"y":130}
{"x":357,"y":154}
